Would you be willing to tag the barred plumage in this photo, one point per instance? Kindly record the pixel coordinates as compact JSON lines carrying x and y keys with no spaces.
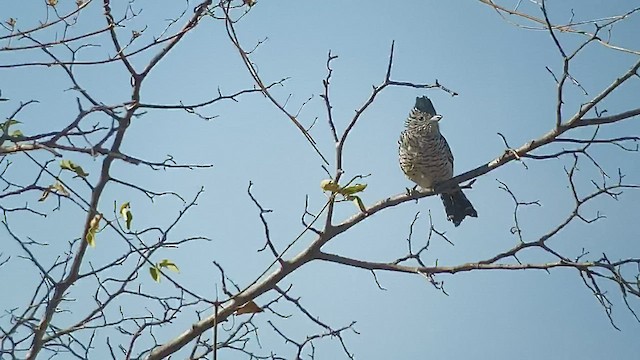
{"x":426,"y":159}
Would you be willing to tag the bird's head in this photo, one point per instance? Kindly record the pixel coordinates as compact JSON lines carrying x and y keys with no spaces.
{"x":424,"y":123}
{"x":423,"y":117}
{"x":432,"y":123}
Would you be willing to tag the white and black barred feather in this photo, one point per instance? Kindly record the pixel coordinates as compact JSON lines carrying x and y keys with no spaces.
{"x":427,"y":160}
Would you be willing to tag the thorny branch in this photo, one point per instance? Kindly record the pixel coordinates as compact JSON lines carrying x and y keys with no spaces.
{"x":231,"y":33}
{"x":331,"y":230}
{"x":33,"y":330}
{"x":572,"y":27}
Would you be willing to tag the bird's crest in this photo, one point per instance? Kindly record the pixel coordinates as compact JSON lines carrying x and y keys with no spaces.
{"x":421,"y":113}
{"x":425,"y":105}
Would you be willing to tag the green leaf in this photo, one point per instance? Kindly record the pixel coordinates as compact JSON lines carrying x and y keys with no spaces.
{"x":71,"y":166}
{"x":57,"y":188}
{"x":91,"y":239}
{"x":129,"y":218}
{"x":16,"y":133}
{"x":94,"y":225}
{"x":7,"y":124}
{"x":353,"y":189}
{"x":358,"y":202}
{"x":10,"y":122}
{"x":127,"y":215}
{"x":67,"y":165}
{"x":166,"y":263}
{"x":155,"y":273}
{"x":329,"y":185}
{"x":45,"y":194}
{"x":60,"y":189}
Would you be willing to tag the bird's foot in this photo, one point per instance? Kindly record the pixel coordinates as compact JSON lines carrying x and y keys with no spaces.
{"x":412,"y":191}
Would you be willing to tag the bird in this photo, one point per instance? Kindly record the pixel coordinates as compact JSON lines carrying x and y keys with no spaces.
{"x":426,"y":158}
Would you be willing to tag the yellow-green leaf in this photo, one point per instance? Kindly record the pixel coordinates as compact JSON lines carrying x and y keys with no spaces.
{"x":71,"y":166}
{"x":127,"y":215}
{"x":17,"y":134}
{"x":124,"y":206}
{"x":91,"y":239}
{"x":60,"y":189}
{"x":7,"y":124}
{"x":57,"y":188}
{"x":94,"y":225}
{"x":329,"y":185}
{"x":129,"y":218}
{"x":45,"y":194}
{"x":358,"y":201}
{"x":353,"y":189}
{"x":155,"y":273}
{"x":166,"y":263}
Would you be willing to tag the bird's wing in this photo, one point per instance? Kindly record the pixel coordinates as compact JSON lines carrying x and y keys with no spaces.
{"x":447,"y":150}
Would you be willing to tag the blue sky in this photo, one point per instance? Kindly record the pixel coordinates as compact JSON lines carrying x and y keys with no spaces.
{"x":500,"y":72}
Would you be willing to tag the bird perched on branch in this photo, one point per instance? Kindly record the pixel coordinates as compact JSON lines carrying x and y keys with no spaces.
{"x":426,"y":159}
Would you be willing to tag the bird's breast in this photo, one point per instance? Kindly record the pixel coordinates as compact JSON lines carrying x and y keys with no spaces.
{"x":424,"y":161}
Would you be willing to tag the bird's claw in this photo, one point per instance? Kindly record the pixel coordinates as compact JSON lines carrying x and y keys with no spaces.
{"x":413,"y":191}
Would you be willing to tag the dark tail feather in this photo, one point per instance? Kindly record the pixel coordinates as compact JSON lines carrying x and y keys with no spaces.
{"x":457,"y":206}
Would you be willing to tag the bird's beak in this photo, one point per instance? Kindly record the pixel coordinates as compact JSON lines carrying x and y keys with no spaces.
{"x":436,"y":118}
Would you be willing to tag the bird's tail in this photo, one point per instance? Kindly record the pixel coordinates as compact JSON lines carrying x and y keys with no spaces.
{"x":457,"y":206}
